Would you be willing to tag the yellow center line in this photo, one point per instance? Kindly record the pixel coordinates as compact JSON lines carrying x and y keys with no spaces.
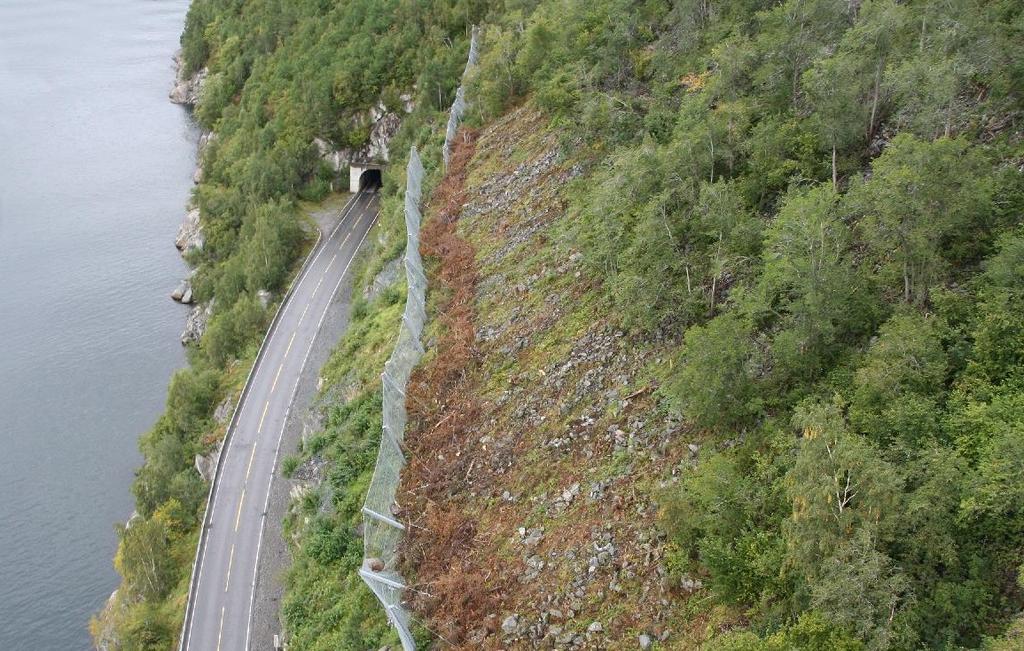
{"x":238,"y":516}
{"x":221,"y":631}
{"x":231,"y":559}
{"x":259,"y":428}
{"x":249,"y":467}
{"x":277,"y":375}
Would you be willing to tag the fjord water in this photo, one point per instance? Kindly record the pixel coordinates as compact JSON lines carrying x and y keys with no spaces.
{"x":95,"y":169}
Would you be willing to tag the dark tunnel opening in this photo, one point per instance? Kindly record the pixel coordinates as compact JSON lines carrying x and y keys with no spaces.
{"x":370,"y":180}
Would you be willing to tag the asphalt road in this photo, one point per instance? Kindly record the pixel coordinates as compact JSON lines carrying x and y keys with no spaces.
{"x":219,"y":615}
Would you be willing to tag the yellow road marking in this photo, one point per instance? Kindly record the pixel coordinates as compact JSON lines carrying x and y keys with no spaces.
{"x":249,"y":467}
{"x":277,"y":375}
{"x":231,"y":560}
{"x":238,"y":516}
{"x":221,"y":631}
{"x":259,"y":428}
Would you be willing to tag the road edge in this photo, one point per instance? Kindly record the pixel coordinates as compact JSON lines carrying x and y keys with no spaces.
{"x":204,"y":527}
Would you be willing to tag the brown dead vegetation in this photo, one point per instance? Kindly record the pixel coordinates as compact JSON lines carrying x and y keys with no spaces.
{"x":441,"y":548}
{"x":529,"y":394}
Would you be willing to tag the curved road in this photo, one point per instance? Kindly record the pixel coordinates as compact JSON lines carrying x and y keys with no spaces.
{"x":219,"y":610}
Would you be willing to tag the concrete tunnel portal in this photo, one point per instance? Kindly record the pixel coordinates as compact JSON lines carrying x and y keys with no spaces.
{"x":364,"y":177}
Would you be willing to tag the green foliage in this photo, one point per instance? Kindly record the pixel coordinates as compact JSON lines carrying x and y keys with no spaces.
{"x":715,"y":385}
{"x":811,"y":632}
{"x":925,"y":208}
{"x":147,"y":630}
{"x":810,"y":282}
{"x":900,"y":381}
{"x":144,"y":559}
{"x":816,"y":198}
{"x":870,"y":307}
{"x":724,"y":519}
{"x":289,"y":464}
{"x":845,"y":506}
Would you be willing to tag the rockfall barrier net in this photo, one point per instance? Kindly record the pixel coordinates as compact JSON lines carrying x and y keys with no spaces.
{"x":382,"y":529}
{"x":459,"y":105}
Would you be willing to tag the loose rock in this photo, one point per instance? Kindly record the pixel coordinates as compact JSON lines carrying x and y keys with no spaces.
{"x":263,"y":296}
{"x":510,"y":624}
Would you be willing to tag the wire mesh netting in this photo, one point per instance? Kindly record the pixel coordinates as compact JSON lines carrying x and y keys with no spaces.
{"x":382,"y":530}
{"x":459,"y":105}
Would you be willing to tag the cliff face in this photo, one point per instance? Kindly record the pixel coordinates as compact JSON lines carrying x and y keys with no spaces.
{"x":535,"y":448}
{"x":383,"y":124}
{"x":187,"y":88}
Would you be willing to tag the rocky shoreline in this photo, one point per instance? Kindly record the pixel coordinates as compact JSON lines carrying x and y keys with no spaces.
{"x":189,"y":238}
{"x":186,"y":92}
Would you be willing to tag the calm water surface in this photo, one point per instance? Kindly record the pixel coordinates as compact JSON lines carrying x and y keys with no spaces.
{"x":95,"y":168}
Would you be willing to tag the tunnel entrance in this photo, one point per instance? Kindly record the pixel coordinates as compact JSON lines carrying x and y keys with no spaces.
{"x":370,"y":180}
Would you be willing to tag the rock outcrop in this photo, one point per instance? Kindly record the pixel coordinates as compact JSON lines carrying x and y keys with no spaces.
{"x":204,"y":142}
{"x":206,"y":464}
{"x":183,"y":292}
{"x":195,"y":325}
{"x":385,"y":278}
{"x":223,"y":411}
{"x":190,"y":233}
{"x":187,"y":90}
{"x":385,"y":125}
{"x":104,"y":625}
{"x":336,"y":159}
{"x":264,"y":297}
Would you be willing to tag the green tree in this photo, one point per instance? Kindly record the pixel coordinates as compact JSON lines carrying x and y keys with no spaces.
{"x":897,"y":388}
{"x":714,"y":386}
{"x":144,"y":559}
{"x":846,"y":504}
{"x":809,"y":281}
{"x":811,"y":632}
{"x":925,"y":207}
{"x":725,"y":518}
{"x":845,"y":89}
{"x":791,"y":36}
{"x":147,"y":629}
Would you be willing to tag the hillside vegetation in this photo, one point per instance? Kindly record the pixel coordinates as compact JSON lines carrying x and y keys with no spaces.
{"x":280,"y":75}
{"x":821,"y":202}
{"x":726,"y":347}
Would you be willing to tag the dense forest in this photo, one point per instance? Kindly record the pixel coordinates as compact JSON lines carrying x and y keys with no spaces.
{"x":818,"y":201}
{"x":824,"y":199}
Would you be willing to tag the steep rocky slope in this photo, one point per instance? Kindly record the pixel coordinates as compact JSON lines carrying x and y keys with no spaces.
{"x":537,"y":451}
